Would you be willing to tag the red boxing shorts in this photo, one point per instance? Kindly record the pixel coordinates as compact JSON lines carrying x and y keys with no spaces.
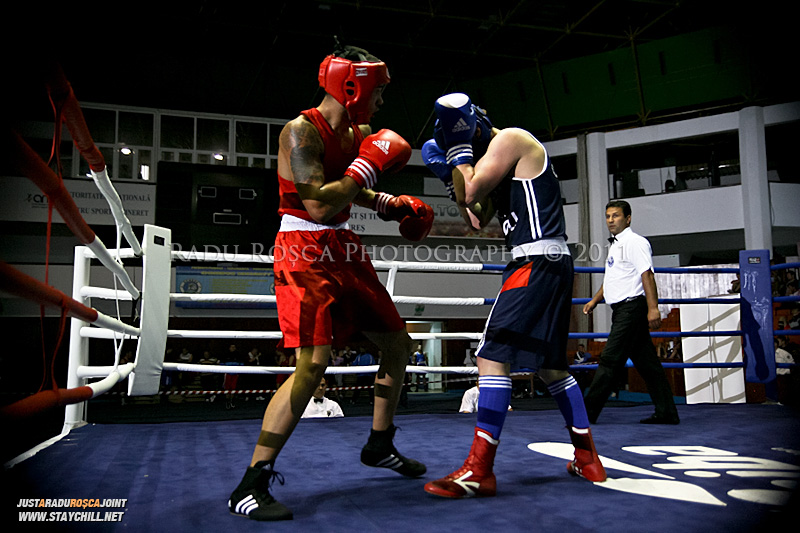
{"x":327,"y":289}
{"x":528,"y":326}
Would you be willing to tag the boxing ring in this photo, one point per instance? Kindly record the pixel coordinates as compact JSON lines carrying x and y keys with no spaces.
{"x":145,"y":374}
{"x":665,"y":472}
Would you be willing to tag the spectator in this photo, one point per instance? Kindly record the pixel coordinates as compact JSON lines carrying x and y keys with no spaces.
{"x":254,"y":357}
{"x":254,"y":381}
{"x":231,"y":381}
{"x":168,"y":376}
{"x":792,"y":288}
{"x":420,"y":358}
{"x":735,"y":286}
{"x":471,"y":359}
{"x":794,"y":318}
{"x":782,"y":356}
{"x":581,"y":356}
{"x":364,"y":358}
{"x":583,"y":377}
{"x":285,"y":361}
{"x":349,"y":355}
{"x":337,"y":360}
{"x":209,"y":380}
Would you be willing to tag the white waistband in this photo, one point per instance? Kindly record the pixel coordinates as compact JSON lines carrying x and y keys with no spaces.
{"x":293,"y":223}
{"x":541,"y":247}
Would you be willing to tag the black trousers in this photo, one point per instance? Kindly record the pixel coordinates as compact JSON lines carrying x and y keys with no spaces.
{"x":630,"y":339}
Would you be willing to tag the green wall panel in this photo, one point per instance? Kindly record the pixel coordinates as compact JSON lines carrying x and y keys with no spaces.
{"x":697,"y":71}
{"x":692,"y":71}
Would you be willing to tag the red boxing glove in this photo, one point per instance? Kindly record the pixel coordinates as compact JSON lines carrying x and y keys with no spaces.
{"x":384,"y":151}
{"x":415,"y":216}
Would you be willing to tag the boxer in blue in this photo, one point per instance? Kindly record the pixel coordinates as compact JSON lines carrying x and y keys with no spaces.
{"x":528,"y":326}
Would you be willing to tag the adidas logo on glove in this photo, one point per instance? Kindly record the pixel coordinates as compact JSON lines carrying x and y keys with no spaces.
{"x":383,"y":146}
{"x":461,"y":125}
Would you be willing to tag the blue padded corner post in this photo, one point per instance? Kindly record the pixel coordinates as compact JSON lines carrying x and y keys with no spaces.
{"x":756,"y":316}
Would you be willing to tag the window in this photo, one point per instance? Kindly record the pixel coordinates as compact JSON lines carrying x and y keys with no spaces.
{"x":177,"y":132}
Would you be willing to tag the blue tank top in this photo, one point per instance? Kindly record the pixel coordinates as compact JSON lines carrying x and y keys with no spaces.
{"x":530,"y":209}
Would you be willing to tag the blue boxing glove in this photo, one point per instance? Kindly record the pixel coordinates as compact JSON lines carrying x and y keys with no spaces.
{"x":455,"y":127}
{"x":435,"y":160}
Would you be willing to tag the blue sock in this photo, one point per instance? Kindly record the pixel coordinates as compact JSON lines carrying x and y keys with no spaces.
{"x":567,"y":395}
{"x":493,"y":400}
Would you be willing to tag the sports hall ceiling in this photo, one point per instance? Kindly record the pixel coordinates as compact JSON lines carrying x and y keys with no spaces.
{"x":260,"y":58}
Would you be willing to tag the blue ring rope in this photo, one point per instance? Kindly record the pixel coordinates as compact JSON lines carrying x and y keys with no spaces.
{"x":784,"y":266}
{"x":673,"y":334}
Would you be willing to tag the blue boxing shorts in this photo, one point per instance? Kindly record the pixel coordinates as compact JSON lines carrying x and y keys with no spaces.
{"x":528,"y":325}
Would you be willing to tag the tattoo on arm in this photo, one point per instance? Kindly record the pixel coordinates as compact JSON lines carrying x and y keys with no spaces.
{"x":305,"y":153}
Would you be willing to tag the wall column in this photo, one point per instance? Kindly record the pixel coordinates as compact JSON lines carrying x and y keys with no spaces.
{"x":597,"y":246}
{"x":755,"y":184}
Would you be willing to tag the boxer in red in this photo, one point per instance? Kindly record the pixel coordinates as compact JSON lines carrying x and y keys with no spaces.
{"x":325,"y":285}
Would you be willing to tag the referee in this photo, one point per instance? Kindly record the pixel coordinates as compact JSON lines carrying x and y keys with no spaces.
{"x":629,"y":287}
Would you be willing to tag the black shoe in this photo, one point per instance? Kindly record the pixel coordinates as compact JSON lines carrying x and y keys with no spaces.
{"x":252,"y":498}
{"x":380,"y":452}
{"x":658,"y":419}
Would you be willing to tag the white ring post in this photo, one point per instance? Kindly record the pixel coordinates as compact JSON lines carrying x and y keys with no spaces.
{"x":75,"y":414}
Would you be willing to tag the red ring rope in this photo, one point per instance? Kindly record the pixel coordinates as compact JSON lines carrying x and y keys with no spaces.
{"x":15,"y":282}
{"x":41,"y":401}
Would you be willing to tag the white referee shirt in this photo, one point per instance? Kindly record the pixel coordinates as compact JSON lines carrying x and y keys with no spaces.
{"x":469,"y":402}
{"x":325,"y":409}
{"x":629,"y":257}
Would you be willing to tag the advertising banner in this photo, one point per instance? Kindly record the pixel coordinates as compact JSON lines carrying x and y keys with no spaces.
{"x":23,"y":201}
{"x":225,"y":280}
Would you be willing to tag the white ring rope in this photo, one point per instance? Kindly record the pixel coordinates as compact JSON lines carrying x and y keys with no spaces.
{"x":111,"y":294}
{"x":111,"y":376}
{"x":98,"y":333}
{"x":112,"y":326}
{"x":104,"y":294}
{"x":433,"y":267}
{"x":104,"y":256}
{"x":193,"y":255}
{"x":102,"y":371}
{"x":438,"y":301}
{"x":103,"y":183}
{"x":222,"y":298}
{"x":122,"y":253}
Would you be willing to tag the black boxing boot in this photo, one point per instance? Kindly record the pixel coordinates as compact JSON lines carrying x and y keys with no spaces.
{"x":252,"y":498}
{"x":381,"y":453}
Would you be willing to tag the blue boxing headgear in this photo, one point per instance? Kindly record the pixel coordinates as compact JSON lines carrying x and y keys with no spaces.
{"x":483,"y":134}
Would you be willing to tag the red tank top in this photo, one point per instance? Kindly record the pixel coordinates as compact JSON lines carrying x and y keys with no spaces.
{"x":334,"y":161}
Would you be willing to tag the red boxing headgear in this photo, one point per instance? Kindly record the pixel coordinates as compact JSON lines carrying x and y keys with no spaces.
{"x":352,"y":84}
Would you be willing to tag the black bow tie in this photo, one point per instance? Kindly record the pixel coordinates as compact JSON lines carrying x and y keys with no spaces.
{"x":318,"y":400}
{"x":612,"y":240}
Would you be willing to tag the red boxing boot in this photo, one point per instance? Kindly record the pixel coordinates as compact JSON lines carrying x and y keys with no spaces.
{"x":475,"y":478}
{"x":587,"y":463}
